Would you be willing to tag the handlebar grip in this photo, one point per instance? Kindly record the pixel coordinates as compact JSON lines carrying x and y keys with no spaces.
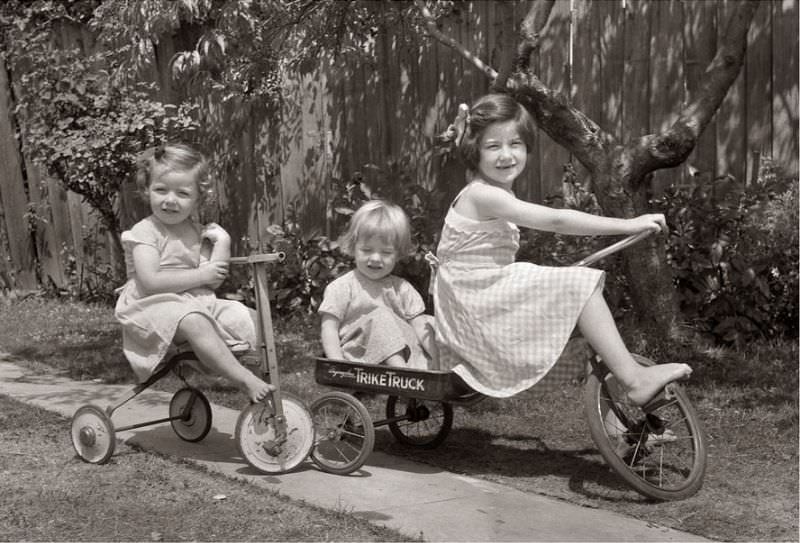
{"x":260,"y":257}
{"x":616,"y":247}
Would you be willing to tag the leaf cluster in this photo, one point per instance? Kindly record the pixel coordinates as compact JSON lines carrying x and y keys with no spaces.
{"x":79,"y":122}
{"x":733,"y":249}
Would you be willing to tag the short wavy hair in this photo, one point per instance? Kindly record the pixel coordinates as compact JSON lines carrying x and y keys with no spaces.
{"x":490,"y":109}
{"x":378,"y":218}
{"x":173,"y":157}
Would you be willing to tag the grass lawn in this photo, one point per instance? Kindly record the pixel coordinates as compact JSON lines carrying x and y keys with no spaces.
{"x":536,"y":441}
{"x":51,"y":495}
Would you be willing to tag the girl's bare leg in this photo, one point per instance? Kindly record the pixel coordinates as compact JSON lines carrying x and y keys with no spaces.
{"x":215,"y":356}
{"x":642,"y":383}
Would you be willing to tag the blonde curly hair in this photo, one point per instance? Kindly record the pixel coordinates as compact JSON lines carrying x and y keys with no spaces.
{"x":378,"y":218}
{"x":173,"y":157}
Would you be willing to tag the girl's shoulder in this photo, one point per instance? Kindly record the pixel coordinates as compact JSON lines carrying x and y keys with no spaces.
{"x":145,"y":230}
{"x":343,"y":281}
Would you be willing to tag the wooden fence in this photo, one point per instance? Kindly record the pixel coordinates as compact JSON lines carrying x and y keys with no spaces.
{"x":628,"y":64}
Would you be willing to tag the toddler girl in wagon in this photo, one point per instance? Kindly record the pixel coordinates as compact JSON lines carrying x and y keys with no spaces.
{"x":368,"y":314}
{"x":501,"y":324}
{"x":173,"y":265}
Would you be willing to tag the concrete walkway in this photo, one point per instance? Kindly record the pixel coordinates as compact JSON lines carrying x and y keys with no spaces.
{"x":413,"y":498}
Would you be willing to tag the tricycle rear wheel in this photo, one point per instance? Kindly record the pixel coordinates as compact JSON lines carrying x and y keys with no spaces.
{"x":419,"y":423}
{"x":193,"y":412}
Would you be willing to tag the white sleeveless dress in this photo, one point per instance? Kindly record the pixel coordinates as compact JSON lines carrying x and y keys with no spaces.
{"x":500,"y":324}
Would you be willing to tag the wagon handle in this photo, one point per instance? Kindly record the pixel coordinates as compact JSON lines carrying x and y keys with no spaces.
{"x":611,"y":249}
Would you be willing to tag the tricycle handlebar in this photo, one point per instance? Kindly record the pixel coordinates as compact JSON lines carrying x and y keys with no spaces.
{"x":611,"y":249}
{"x":262,"y":257}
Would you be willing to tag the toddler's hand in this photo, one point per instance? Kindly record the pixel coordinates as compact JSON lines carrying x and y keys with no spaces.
{"x":654,"y":222}
{"x":215,"y":272}
{"x":215,"y":233}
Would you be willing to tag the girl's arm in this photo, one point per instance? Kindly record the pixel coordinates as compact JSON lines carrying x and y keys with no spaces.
{"x":220,"y":242}
{"x":155,"y":280}
{"x":220,"y":247}
{"x":329,"y":334}
{"x":487,"y":202}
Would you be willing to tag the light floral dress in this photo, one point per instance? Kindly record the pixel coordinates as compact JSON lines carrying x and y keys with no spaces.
{"x":149,"y":322}
{"x":374,"y":318}
{"x":501,"y":325}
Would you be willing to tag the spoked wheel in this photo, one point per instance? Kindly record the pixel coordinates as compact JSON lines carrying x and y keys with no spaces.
{"x":419,"y":423}
{"x":93,"y":434}
{"x":345,"y":435}
{"x":662,"y":453}
{"x":268,"y":445}
{"x":194,"y":411}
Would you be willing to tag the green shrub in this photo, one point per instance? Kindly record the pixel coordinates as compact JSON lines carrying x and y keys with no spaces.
{"x":734,"y":252}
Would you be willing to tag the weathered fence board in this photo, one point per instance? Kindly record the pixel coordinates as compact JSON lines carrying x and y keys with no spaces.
{"x":14,"y":196}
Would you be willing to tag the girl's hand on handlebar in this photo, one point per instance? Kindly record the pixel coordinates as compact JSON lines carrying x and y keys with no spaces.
{"x":653,"y":222}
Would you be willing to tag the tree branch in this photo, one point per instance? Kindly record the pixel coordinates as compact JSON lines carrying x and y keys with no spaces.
{"x":434,"y":32}
{"x":672,"y":147}
{"x":507,"y":42}
{"x":530,"y":32}
{"x":560,"y":120}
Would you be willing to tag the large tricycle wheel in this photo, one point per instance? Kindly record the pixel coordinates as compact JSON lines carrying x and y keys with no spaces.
{"x":660,"y":453}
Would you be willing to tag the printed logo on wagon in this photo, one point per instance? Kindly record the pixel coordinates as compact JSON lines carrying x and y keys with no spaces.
{"x":384,"y":379}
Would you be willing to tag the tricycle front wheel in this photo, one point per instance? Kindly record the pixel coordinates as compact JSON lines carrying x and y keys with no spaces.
{"x":660,"y":453}
{"x":271,"y":445}
{"x":419,"y":423}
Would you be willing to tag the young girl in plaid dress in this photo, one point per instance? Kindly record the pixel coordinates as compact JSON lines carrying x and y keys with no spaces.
{"x":500,"y":324}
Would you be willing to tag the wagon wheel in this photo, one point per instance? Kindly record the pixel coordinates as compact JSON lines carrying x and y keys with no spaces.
{"x":419,"y":423}
{"x":344,"y":430}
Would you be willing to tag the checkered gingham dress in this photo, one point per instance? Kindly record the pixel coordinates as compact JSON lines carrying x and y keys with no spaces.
{"x":501,"y":324}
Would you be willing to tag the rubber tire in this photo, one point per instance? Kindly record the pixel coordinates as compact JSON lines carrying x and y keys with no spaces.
{"x":300,"y":435}
{"x":600,"y":385}
{"x":199,"y":421}
{"x":333,"y":437}
{"x":93,"y":436}
{"x":401,"y":433}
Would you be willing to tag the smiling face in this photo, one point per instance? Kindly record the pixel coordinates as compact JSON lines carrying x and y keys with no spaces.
{"x":174,"y":196}
{"x":503,"y":154}
{"x":375,"y":257}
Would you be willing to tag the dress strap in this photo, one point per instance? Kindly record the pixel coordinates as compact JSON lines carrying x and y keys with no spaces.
{"x":433,"y":263}
{"x":460,"y":193}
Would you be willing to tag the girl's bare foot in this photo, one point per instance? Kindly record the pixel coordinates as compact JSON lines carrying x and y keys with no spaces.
{"x":651,"y":379}
{"x":257,"y":390}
